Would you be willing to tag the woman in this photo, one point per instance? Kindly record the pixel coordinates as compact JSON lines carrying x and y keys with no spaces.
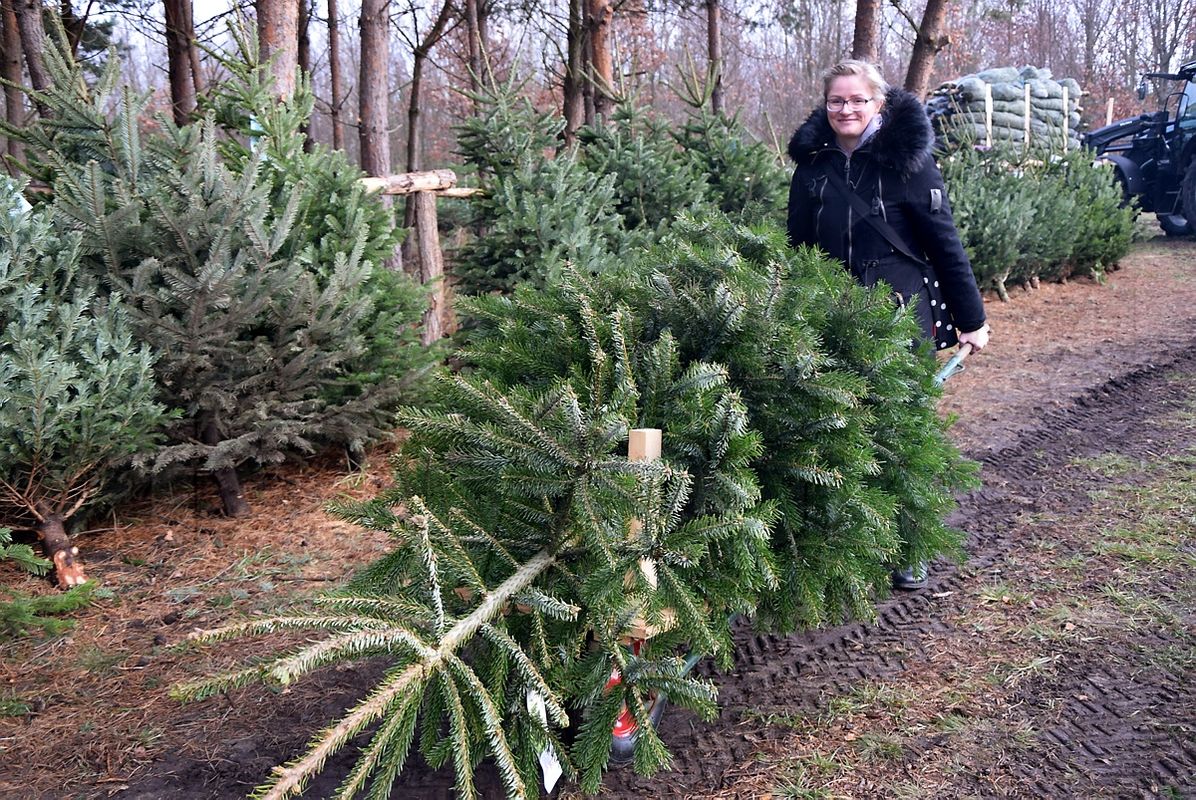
{"x":867,"y":191}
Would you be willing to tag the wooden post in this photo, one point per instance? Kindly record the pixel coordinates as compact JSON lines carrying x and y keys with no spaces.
{"x":431,"y":263}
{"x":988,"y":115}
{"x":643,"y":444}
{"x":1026,"y":122}
{"x":1066,"y":117}
{"x":1109,"y":111}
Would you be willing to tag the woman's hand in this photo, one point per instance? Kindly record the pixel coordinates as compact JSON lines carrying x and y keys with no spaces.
{"x":978,"y":338}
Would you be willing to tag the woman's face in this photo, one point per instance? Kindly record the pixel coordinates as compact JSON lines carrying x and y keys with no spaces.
{"x":848,"y":121}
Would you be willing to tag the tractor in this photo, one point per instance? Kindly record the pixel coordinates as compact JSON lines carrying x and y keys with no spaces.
{"x":1154,"y":155}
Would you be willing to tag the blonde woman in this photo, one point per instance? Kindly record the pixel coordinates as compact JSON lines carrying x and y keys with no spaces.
{"x":867,"y":191}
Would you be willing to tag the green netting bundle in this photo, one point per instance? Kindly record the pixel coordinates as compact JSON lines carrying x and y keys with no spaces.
{"x":958,"y":107}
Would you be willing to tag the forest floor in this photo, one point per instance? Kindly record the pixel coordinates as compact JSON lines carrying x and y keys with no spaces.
{"x":1058,"y":661}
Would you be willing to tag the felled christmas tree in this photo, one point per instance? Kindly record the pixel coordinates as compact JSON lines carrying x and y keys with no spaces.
{"x":801,"y":457}
{"x":79,"y":395}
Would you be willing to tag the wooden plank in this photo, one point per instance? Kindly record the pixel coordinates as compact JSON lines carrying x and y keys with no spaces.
{"x":411,"y":182}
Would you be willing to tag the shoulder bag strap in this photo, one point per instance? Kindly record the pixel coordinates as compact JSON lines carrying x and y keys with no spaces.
{"x":875,"y":220}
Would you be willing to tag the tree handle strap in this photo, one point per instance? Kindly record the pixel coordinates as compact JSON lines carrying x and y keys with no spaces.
{"x":875,"y":220}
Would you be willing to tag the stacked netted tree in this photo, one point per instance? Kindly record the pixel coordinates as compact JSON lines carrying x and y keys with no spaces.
{"x":250,"y":271}
{"x":802,"y":456}
{"x":79,"y":396}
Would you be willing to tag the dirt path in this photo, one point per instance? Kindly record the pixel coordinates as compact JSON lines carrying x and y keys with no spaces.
{"x":977,"y":686}
{"x":1058,"y":662}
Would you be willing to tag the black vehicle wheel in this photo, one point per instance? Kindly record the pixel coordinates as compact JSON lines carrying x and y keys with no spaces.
{"x":1124,"y":185}
{"x":1174,"y":225}
{"x":1187,"y":194}
{"x":622,"y":740}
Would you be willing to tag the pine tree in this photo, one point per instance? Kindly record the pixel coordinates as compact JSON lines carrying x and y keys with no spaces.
{"x":270,"y":341}
{"x":654,"y":180}
{"x":745,"y":178}
{"x":537,"y":212}
{"x":802,"y":457}
{"x":79,"y":395}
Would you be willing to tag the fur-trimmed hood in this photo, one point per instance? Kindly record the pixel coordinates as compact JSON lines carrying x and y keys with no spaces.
{"x":904,"y":141}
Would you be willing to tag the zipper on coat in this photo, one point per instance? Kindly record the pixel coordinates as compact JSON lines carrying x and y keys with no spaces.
{"x":847,"y":170}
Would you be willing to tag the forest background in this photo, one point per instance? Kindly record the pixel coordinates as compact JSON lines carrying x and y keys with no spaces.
{"x":392,"y":77}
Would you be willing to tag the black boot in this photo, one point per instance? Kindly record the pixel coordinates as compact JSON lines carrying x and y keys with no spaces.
{"x":911,"y":577}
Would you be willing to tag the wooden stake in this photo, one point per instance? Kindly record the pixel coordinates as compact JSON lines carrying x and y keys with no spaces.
{"x":988,"y":115}
{"x":1066,"y":115}
{"x":1109,"y":111}
{"x":643,"y":444}
{"x":431,"y":264}
{"x":1026,"y":122}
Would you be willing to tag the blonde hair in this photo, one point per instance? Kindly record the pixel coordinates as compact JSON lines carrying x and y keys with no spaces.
{"x":863,"y":69}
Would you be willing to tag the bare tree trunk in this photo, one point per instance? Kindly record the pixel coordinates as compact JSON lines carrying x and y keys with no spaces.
{"x":415,"y":143}
{"x":304,"y":62}
{"x":10,"y":70}
{"x":179,"y":32}
{"x":193,"y":56}
{"x":51,"y":529}
{"x":574,"y":103}
{"x":278,"y":41}
{"x":227,"y":482}
{"x":473,"y":34}
{"x":33,"y":35}
{"x":601,"y":64}
{"x":74,"y":26}
{"x":372,"y":94}
{"x":867,"y":22}
{"x":926,"y":47}
{"x":587,"y":65}
{"x":714,"y":53}
{"x":334,"y":70}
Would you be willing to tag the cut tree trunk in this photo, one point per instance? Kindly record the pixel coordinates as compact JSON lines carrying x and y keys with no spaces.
{"x":926,"y":46}
{"x":602,"y":69}
{"x":11,"y":71}
{"x":180,"y":30}
{"x":334,"y":74}
{"x":278,"y":43}
{"x":714,"y":54}
{"x":52,"y":531}
{"x":867,"y":21}
{"x":227,"y":481}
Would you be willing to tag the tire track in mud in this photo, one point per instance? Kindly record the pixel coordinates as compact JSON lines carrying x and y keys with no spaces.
{"x":1103,"y":739}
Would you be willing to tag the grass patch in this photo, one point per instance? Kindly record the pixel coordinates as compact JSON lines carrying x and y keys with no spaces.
{"x":775,"y":720}
{"x":1110,"y":465}
{"x":879,"y":747}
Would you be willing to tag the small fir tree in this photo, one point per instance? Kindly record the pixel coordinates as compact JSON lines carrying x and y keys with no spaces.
{"x":745,"y":179}
{"x":654,"y":180}
{"x":537,"y":212}
{"x":271,"y":341}
{"x":79,"y":395}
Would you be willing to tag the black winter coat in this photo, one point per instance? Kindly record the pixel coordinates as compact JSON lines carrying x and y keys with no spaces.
{"x":894,"y":173}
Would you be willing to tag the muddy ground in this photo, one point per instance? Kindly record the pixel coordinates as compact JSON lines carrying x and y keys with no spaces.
{"x":1058,"y":661}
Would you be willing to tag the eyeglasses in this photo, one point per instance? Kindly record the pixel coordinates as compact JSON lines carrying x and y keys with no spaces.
{"x":855,"y":103}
